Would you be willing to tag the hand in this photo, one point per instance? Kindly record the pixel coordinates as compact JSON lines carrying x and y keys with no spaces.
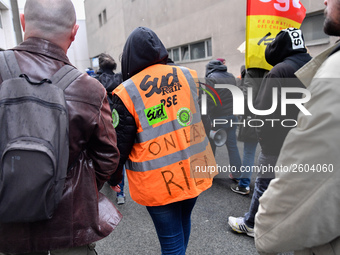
{"x":116,"y":188}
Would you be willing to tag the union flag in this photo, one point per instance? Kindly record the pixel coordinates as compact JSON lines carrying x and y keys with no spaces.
{"x":265,"y":19}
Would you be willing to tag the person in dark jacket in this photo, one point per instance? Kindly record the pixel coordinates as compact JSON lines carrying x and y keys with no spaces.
{"x":107,"y":77}
{"x":110,"y":80}
{"x":287,"y":53}
{"x":247,"y":134}
{"x":84,"y":215}
{"x":217,"y":73}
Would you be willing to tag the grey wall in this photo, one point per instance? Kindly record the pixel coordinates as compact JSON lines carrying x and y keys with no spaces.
{"x":177,"y":22}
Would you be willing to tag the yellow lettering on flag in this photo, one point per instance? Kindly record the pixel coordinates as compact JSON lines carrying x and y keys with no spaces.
{"x":265,"y":19}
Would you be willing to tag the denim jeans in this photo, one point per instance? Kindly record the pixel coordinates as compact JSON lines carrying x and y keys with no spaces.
{"x":249,"y":150}
{"x":173,"y":225}
{"x":261,"y":184}
{"x":121,"y":185}
{"x":233,"y":153}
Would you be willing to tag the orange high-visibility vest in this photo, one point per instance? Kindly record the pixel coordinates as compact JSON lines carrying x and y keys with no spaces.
{"x":171,"y":159}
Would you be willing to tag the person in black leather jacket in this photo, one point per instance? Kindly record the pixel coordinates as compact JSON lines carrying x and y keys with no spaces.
{"x":84,"y":215}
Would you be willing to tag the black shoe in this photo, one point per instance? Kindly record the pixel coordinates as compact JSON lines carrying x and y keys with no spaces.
{"x":240,"y":190}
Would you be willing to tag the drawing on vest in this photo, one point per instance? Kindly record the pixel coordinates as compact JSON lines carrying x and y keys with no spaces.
{"x":169,"y":84}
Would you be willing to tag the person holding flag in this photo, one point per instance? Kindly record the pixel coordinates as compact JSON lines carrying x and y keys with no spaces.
{"x":287,"y":58}
{"x":300,"y":210}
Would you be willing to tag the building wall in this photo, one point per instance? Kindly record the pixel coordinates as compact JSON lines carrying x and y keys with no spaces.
{"x":313,"y":7}
{"x":78,"y":51}
{"x":177,"y":22}
{"x":7,"y":35}
{"x":110,"y":37}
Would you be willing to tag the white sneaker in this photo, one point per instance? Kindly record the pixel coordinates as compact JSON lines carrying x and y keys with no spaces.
{"x":238,"y":225}
{"x":120,"y":200}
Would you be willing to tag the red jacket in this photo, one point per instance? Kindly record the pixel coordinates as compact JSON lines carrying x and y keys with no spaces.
{"x":84,"y":215}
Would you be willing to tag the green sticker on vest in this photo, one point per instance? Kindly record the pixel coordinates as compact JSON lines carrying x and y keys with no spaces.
{"x":184,"y":117}
{"x":115,"y":118}
{"x":156,"y":114}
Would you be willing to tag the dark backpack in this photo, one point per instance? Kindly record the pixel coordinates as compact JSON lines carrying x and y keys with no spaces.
{"x":34,"y":143}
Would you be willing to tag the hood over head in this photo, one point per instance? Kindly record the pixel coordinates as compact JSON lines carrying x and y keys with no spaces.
{"x":142,"y":49}
{"x":286,"y":43}
{"x":215,"y":65}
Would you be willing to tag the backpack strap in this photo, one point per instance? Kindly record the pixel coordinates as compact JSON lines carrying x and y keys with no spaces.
{"x":9,"y":68}
{"x":65,"y":76}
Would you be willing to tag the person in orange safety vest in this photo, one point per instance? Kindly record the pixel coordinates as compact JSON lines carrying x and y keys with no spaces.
{"x":161,"y":137}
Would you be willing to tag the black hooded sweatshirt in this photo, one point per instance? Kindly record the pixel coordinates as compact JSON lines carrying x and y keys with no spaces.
{"x":110,"y":81}
{"x":142,"y":49}
{"x":287,"y":55}
{"x":217,"y":73}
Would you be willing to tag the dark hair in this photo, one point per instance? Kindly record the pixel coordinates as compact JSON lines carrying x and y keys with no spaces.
{"x":106,"y":62}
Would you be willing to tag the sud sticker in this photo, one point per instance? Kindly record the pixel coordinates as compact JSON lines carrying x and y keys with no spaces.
{"x":115,"y":118}
{"x":184,"y":117}
{"x":156,"y":114}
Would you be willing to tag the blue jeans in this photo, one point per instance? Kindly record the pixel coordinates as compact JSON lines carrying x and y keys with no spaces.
{"x":233,"y":153}
{"x":261,"y":184}
{"x":249,"y":150}
{"x":173,"y":225}
{"x":121,"y":185}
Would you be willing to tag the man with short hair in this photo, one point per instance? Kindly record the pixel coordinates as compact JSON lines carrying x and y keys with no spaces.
{"x":83,"y":215}
{"x":300,"y":210}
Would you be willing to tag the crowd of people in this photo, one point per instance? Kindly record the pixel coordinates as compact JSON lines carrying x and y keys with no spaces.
{"x":144,"y":124}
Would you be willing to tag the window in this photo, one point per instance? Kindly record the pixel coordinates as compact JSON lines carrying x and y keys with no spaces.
{"x":175,"y":54}
{"x":209,"y":48}
{"x":100,"y":20}
{"x":185,"y":53}
{"x":197,"y":50}
{"x":191,"y":52}
{"x":104,"y":16}
{"x":312,"y":28}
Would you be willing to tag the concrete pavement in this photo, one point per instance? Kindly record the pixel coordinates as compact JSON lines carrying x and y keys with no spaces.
{"x":210,"y":232}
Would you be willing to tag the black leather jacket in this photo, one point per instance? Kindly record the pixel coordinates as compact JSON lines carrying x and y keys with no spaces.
{"x":84,"y":215}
